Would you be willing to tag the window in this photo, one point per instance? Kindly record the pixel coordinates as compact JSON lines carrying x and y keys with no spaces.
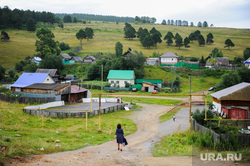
{"x":112,"y":82}
{"x":125,"y":82}
{"x":117,"y":82}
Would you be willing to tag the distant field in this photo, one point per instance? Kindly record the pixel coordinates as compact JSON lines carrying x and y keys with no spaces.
{"x":22,"y":43}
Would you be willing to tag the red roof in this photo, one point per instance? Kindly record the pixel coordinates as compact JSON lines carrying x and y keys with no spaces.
{"x":77,"y":89}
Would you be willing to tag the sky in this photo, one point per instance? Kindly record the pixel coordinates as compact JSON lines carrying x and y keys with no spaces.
{"x":220,"y":13}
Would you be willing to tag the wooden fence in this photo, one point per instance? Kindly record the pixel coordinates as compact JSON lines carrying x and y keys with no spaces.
{"x":244,"y":139}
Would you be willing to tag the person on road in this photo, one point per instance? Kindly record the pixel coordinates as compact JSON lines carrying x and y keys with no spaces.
{"x":174,"y":118}
{"x":119,"y":136}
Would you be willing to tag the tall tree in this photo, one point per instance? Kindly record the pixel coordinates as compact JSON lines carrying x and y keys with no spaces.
{"x":52,"y":62}
{"x":4,"y":36}
{"x":89,"y":33}
{"x":201,"y":40}
{"x":147,"y":41}
{"x":191,"y":24}
{"x":80,"y":35}
{"x":163,"y":22}
{"x":199,"y":24}
{"x":178,"y":41}
{"x":156,"y":36}
{"x":186,"y":42}
{"x":202,"y":61}
{"x":118,"y":49}
{"x":2,"y":72}
{"x":129,"y":31}
{"x":169,"y":37}
{"x":210,"y":38}
{"x":229,"y":43}
{"x":67,"y":19}
{"x":196,"y":34}
{"x":205,"y":24}
{"x":46,"y":44}
{"x":191,"y":37}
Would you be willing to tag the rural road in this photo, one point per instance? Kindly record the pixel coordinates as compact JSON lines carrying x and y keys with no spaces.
{"x":137,"y":152}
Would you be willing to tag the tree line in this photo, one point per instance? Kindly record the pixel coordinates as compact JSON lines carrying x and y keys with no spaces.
{"x":184,"y":23}
{"x":19,"y":19}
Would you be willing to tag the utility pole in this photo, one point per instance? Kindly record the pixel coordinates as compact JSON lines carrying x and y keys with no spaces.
{"x":102,"y":78}
{"x":100,"y":113}
{"x":190,"y":98}
{"x":172,"y":81}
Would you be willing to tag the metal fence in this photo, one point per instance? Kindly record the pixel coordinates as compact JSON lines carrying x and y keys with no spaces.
{"x":26,"y":100}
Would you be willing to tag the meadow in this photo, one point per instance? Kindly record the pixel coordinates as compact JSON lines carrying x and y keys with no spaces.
{"x":106,"y":34}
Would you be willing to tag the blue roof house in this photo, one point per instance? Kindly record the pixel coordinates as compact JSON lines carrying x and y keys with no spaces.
{"x":247,"y":63}
{"x":121,"y":77}
{"x":27,"y":79}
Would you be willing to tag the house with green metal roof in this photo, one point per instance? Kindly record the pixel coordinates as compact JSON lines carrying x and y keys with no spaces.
{"x":121,"y":77}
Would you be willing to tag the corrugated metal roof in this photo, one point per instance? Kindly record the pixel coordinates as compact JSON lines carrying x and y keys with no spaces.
{"x":154,"y":81}
{"x":44,"y":86}
{"x":52,"y":72}
{"x":77,"y":58}
{"x":169,"y":55}
{"x":121,"y":74}
{"x":90,"y":57}
{"x":64,"y":55}
{"x":27,"y":79}
{"x":237,"y":92}
{"x":77,"y":89}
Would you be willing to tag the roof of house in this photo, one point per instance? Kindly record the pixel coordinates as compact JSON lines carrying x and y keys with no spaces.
{"x":149,"y":83}
{"x":222,"y":59}
{"x":129,"y":52}
{"x":247,"y":61}
{"x":52,"y":72}
{"x":77,"y":89}
{"x":45,"y":86}
{"x":77,"y":58}
{"x":154,"y":81}
{"x":121,"y":74}
{"x":69,"y":77}
{"x":37,"y":58}
{"x":90,"y":57}
{"x":239,"y":91}
{"x":64,"y":55}
{"x":169,"y":55}
{"x":27,"y":79}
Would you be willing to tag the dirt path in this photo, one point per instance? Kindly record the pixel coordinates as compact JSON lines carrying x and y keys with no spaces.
{"x":136,"y":153}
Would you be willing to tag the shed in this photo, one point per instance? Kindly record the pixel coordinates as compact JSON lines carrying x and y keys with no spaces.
{"x":234,"y":101}
{"x":158,"y":82}
{"x":77,"y":93}
{"x":121,"y":77}
{"x":36,"y":60}
{"x":67,"y":59}
{"x":247,"y":63}
{"x":27,"y":79}
{"x":153,"y":61}
{"x":148,"y":86}
{"x":222,"y":61}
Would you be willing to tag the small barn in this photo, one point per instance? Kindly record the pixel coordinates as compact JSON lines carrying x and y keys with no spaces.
{"x":148,"y":86}
{"x":157,"y":82}
{"x":153,"y":61}
{"x":233,"y":102}
{"x":77,"y":93}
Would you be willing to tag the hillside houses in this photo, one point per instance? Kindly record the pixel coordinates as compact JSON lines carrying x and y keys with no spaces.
{"x":67,"y":59}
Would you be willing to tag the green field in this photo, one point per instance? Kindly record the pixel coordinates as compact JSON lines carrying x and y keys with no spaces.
{"x":106,"y":34}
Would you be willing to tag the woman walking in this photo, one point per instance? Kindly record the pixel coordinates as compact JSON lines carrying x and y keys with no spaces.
{"x":119,"y":136}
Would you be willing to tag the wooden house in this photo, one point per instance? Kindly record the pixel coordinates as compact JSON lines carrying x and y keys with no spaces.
{"x":67,"y":59}
{"x":121,"y":77}
{"x":77,"y":59}
{"x":168,"y":58}
{"x":233,"y":102}
{"x":77,"y":93}
{"x":148,"y":86}
{"x":27,"y":79}
{"x":52,"y":72}
{"x":89,"y":59}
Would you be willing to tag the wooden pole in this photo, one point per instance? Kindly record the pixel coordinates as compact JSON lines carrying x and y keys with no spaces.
{"x":86,"y":120}
{"x":99,"y":113}
{"x":205,"y":107}
{"x":190,"y":98}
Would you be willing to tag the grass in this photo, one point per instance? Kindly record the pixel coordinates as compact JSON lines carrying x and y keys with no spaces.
{"x":106,"y":34}
{"x":169,"y":115}
{"x":37,"y":132}
{"x":184,"y":144}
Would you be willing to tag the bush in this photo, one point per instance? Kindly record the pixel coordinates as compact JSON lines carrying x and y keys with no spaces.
{"x":64,"y":46}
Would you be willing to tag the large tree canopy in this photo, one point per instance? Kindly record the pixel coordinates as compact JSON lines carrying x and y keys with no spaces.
{"x":52,"y":62}
{"x":129,"y":31}
{"x":229,"y":43}
{"x":46,"y":44}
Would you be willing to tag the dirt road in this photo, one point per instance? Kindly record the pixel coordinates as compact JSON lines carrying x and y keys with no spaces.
{"x":137,"y":152}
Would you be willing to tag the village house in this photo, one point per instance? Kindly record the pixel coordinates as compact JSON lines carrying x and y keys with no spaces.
{"x":27,"y":79}
{"x":247,"y":63}
{"x":36,"y":60}
{"x":52,"y":72}
{"x":77,"y":59}
{"x":233,"y":102}
{"x":168,"y":58}
{"x":121,"y":77}
{"x":67,"y":59}
{"x":89,"y":59}
{"x":129,"y":52}
{"x":77,"y":93}
{"x":222,"y":61}
{"x":153,"y":61}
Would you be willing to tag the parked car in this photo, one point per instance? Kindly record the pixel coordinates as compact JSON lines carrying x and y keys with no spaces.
{"x":211,"y":89}
{"x":134,"y":89}
{"x":154,"y":91}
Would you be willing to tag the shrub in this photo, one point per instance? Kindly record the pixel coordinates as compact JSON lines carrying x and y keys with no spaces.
{"x":64,"y":46}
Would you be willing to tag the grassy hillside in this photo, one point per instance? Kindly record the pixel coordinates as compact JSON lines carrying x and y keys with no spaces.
{"x":22,"y":43}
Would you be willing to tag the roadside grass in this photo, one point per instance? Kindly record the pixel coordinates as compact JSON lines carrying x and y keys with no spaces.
{"x":106,"y":34}
{"x":37,"y":132}
{"x":186,"y":144}
{"x":169,"y":115}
